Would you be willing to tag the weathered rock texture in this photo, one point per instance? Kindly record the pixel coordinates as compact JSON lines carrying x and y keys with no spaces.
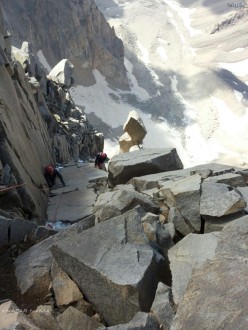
{"x":39,"y":123}
{"x":189,"y":253}
{"x":110,"y":260}
{"x":124,"y":167}
{"x":90,"y":42}
{"x":216,"y":297}
{"x":25,"y":145}
{"x":135,"y":132}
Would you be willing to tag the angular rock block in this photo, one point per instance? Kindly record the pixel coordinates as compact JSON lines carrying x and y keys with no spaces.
{"x":126,"y":166}
{"x":135,"y":128}
{"x":114,"y":266}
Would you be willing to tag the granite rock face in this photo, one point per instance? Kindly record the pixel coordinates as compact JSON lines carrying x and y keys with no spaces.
{"x":215,"y":297}
{"x":113,"y":259}
{"x":124,"y":167}
{"x":90,"y":42}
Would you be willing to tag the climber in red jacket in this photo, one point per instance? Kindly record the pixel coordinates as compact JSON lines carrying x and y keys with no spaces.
{"x":51,"y":173}
{"x":100,"y":160}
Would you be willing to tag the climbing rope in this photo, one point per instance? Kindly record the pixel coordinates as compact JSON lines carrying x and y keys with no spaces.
{"x":21,"y":185}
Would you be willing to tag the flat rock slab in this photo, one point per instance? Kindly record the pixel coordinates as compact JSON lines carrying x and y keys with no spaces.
{"x":113,"y":203}
{"x":149,"y":181}
{"x":216,"y":296}
{"x":32,"y":268}
{"x":113,"y":265}
{"x":191,"y":251}
{"x":74,"y":203}
{"x":124,"y":167}
{"x":219,"y":199}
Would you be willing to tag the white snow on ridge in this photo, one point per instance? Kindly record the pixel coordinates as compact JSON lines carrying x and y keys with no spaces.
{"x":237,"y":50}
{"x":184,"y":14}
{"x":144,"y":53}
{"x":239,"y":69}
{"x":232,"y":126}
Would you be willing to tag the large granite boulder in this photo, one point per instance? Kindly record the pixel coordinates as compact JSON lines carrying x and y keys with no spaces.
{"x":114,"y":266}
{"x":72,"y":319}
{"x":190,"y":252}
{"x":162,"y":307}
{"x":62,"y":73}
{"x":141,"y":321}
{"x":113,"y":203}
{"x":135,"y":128}
{"x":126,"y":166}
{"x":186,"y":194}
{"x":15,"y":230}
{"x":11,"y":317}
{"x":219,"y":199}
{"x":216,"y":297}
{"x":32,"y":268}
{"x":125,"y":142}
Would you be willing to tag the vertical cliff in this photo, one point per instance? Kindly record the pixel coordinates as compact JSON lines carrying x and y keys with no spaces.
{"x":24,"y":142}
{"x":72,"y":29}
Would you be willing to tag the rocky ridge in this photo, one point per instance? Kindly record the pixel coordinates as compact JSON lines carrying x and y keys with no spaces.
{"x":141,"y":256}
{"x":40,"y":124}
{"x":90,"y":42}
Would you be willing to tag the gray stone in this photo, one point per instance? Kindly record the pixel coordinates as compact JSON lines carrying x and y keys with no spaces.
{"x":114,"y":203}
{"x":32,"y":268}
{"x":19,"y":229}
{"x":210,"y":302}
{"x":126,"y":166}
{"x":186,"y":192}
{"x":125,"y":142}
{"x":176,"y":218}
{"x":230,"y":179}
{"x":62,"y":73}
{"x":113,"y":262}
{"x":190,"y":252}
{"x":12,"y":318}
{"x":4,"y":233}
{"x":44,"y":318}
{"x":244,"y":192}
{"x":219,"y":199}
{"x":73,"y":319}
{"x":135,"y":128}
{"x":217,"y":224}
{"x":141,"y":321}
{"x":162,"y":306}
{"x":43,"y":232}
{"x":14,"y":230}
{"x":65,"y":290}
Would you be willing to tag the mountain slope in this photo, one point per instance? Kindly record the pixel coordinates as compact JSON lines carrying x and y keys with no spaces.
{"x":186,"y":64}
{"x":194,"y":81}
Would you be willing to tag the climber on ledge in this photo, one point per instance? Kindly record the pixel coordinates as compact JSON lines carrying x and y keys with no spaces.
{"x":51,"y":173}
{"x":100,"y":160}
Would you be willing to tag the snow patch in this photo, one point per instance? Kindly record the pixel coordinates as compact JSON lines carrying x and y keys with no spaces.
{"x":239,"y":69}
{"x":184,"y":14}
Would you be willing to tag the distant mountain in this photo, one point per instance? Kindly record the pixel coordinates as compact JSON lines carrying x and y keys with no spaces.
{"x":185,"y":71}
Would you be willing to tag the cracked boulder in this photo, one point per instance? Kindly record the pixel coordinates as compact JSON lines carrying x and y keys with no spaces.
{"x":62,"y":73}
{"x":125,"y":166}
{"x":32,"y":268}
{"x":113,"y":203}
{"x":216,"y":297}
{"x":190,"y":252}
{"x":219,"y":199}
{"x":184,"y":194}
{"x":114,"y":266}
{"x":135,"y":127}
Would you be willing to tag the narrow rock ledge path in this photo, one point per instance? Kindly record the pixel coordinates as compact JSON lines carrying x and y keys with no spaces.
{"x":75,"y":202}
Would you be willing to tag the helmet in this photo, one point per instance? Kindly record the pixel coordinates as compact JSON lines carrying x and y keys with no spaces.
{"x":50,"y":169}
